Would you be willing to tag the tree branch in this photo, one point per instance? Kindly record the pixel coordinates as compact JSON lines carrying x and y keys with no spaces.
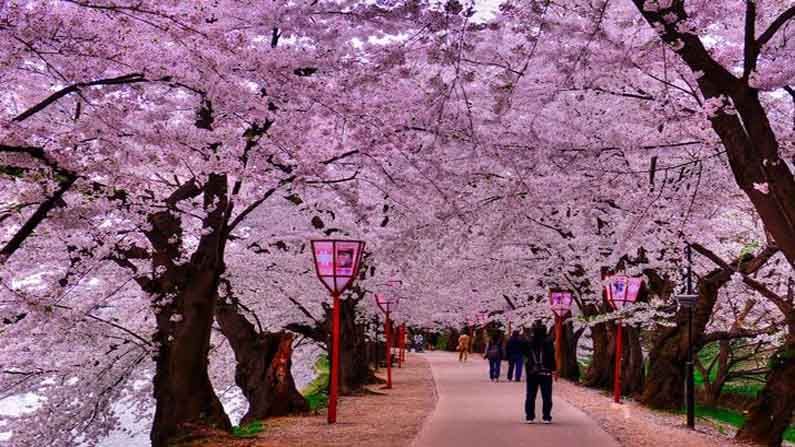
{"x":125,"y":79}
{"x":751,"y":50}
{"x":775,"y":26}
{"x":249,"y":209}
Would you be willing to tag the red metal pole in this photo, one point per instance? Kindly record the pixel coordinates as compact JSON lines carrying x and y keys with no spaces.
{"x":558,"y":342}
{"x":388,"y":335}
{"x":619,"y":352}
{"x":335,"y":361}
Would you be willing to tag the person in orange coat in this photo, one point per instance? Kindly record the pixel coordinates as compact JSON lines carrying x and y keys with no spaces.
{"x":463,"y":348}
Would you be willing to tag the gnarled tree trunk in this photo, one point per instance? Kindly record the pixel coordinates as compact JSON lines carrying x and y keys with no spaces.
{"x":355,"y":371}
{"x":569,"y":367}
{"x":185,"y":398}
{"x":771,"y":414}
{"x":633,"y":373}
{"x":355,"y":351}
{"x":263,"y":366}
{"x":602,"y":369}
{"x":667,"y":360}
{"x":185,"y":304}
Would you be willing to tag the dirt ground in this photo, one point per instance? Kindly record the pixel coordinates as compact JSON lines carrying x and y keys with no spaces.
{"x":637,"y":426}
{"x":386,"y":418}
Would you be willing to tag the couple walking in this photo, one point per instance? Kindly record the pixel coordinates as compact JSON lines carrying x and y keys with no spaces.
{"x":538,"y":356}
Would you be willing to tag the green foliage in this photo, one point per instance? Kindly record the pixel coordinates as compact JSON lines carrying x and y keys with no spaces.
{"x":730,"y":417}
{"x":12,"y":171}
{"x":249,"y":430}
{"x":316,"y":393}
{"x":749,"y":248}
{"x":585,"y":362}
{"x":751,"y":389}
{"x":441,"y":342}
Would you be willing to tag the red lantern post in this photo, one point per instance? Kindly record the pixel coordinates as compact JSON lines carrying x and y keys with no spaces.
{"x":336,"y":264}
{"x":560,"y":303}
{"x":621,"y":291}
{"x":387,"y":305}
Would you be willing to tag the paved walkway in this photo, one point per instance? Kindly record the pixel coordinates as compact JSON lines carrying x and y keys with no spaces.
{"x":474,"y":412}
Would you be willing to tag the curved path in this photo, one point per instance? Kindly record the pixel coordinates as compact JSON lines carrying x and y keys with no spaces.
{"x":472,"y":411}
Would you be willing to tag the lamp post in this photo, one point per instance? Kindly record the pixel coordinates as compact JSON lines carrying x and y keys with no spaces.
{"x":387,"y":305}
{"x":622,"y":290}
{"x":336,"y":264}
{"x":688,"y":301}
{"x":560,"y":303}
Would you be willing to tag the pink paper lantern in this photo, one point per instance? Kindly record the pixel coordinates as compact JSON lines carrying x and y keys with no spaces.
{"x":623,"y":290}
{"x":560,"y":302}
{"x":337,"y":262}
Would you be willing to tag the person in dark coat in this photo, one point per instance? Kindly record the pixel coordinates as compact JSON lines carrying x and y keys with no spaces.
{"x":541,"y":368}
{"x":515,"y":355}
{"x":494,"y":354}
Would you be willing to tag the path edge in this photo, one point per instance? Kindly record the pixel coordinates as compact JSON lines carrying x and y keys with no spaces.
{"x":427,"y":419}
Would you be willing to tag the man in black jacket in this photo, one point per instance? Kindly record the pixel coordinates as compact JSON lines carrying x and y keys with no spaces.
{"x":541,"y":368}
{"x":514,"y":350}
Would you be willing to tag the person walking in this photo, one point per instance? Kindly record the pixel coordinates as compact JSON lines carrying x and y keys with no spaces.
{"x":494,"y":355}
{"x":541,"y":368}
{"x":419,"y":343}
{"x":515,"y":356}
{"x":463,"y":347}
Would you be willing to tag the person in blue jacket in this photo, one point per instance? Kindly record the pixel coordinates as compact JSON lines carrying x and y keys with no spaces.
{"x":515,"y":356}
{"x":494,"y":354}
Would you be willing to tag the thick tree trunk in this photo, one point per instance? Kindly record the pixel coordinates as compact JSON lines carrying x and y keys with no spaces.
{"x":185,"y":398}
{"x":600,"y":371}
{"x":185,"y":305}
{"x":633,"y":373}
{"x":569,"y":367}
{"x":355,"y":371}
{"x":667,"y":360}
{"x":263,"y":366}
{"x":712,"y":392}
{"x":771,"y":414}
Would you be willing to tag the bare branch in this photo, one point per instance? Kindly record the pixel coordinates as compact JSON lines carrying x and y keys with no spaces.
{"x":775,"y":26}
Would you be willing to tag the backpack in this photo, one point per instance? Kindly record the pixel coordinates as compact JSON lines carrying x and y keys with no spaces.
{"x":535,"y":362}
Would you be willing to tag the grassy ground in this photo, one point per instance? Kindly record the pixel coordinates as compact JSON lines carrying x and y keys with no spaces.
{"x":733,"y":418}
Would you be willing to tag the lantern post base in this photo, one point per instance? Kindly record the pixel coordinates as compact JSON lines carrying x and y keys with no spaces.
{"x":388,"y":349}
{"x":617,"y":372}
{"x":335,"y":361}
